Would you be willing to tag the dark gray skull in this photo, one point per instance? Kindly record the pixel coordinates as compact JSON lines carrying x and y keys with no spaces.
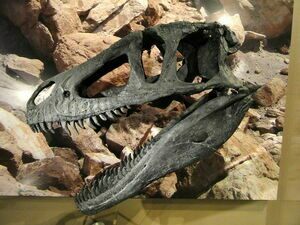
{"x":203,"y":128}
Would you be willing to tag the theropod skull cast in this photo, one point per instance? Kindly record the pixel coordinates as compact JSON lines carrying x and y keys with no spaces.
{"x":203,"y":128}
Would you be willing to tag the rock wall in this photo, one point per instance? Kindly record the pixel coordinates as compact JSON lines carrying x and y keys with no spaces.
{"x":69,"y":32}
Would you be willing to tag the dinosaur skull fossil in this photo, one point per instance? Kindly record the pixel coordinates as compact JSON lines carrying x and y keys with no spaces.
{"x":200,"y":131}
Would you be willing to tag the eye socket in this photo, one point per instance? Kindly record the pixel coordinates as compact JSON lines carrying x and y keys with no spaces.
{"x":66,"y":94}
{"x":44,"y":94}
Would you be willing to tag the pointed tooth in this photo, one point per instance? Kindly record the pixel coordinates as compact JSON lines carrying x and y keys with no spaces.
{"x":131,"y":156}
{"x":109,"y":180}
{"x":124,"y":110}
{"x":37,"y":127}
{"x":49,"y":125}
{"x":128,"y":106}
{"x":104,"y":180}
{"x":100,"y":183}
{"x":32,"y":127}
{"x":90,"y":124}
{"x":64,"y":125}
{"x":73,"y":123}
{"x":117,"y":112}
{"x":122,"y":172}
{"x":110,"y":115}
{"x":42,"y":125}
{"x":118,"y":170}
{"x":77,"y":200}
{"x":113,"y":171}
{"x":50,"y":128}
{"x":81,"y":124}
{"x":97,"y":190}
{"x":95,"y":120}
{"x":85,"y":193}
{"x":102,"y":117}
{"x":79,"y":197}
{"x":77,"y":124}
{"x":82,"y":196}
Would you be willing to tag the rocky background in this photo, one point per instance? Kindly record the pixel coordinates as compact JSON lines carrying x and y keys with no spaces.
{"x":40,"y":38}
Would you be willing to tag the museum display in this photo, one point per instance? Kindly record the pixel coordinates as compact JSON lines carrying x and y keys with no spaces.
{"x":107,"y":100}
{"x":187,"y":140}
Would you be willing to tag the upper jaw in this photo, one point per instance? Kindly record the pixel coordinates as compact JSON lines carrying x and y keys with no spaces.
{"x":137,"y":91}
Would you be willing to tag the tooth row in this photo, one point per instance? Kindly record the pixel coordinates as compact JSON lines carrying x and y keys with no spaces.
{"x":107,"y":179}
{"x":39,"y":127}
{"x":93,"y":122}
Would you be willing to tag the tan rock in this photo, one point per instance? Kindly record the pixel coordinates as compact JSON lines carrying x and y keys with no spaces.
{"x":95,"y":163}
{"x":248,"y":181}
{"x":265,"y":126}
{"x":180,"y":11}
{"x":175,"y":109}
{"x":286,"y":60}
{"x":33,"y":144}
{"x":131,"y":131}
{"x":128,"y":12}
{"x":284,"y":50}
{"x":115,"y":78}
{"x":20,"y":114}
{"x":67,"y":154}
{"x":274,"y":112}
{"x":84,"y":6}
{"x":246,"y":160}
{"x":253,"y":115}
{"x":53,"y":172}
{"x":135,"y":25}
{"x":269,"y":17}
{"x":165,"y":4}
{"x":244,"y":124}
{"x":22,"y":13}
{"x":162,"y":117}
{"x":40,"y":39}
{"x":280,"y":122}
{"x":25,"y":15}
{"x":284,"y":71}
{"x":273,"y":144}
{"x":251,"y":35}
{"x":234,"y":22}
{"x":270,"y":93}
{"x":103,"y":11}
{"x":152,"y":62}
{"x":240,"y":156}
{"x":88,"y":141}
{"x":28,"y":69}
{"x":10,"y":187}
{"x":237,"y":27}
{"x":42,"y":22}
{"x":274,"y":149}
{"x":198,"y":177}
{"x":167,"y":186}
{"x":126,"y":152}
{"x":153,"y":13}
{"x":11,"y":154}
{"x":61,"y":19}
{"x":164,"y":187}
{"x":74,"y":49}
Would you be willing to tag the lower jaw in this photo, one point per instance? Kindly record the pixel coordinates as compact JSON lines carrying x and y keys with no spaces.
{"x":134,"y":190}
